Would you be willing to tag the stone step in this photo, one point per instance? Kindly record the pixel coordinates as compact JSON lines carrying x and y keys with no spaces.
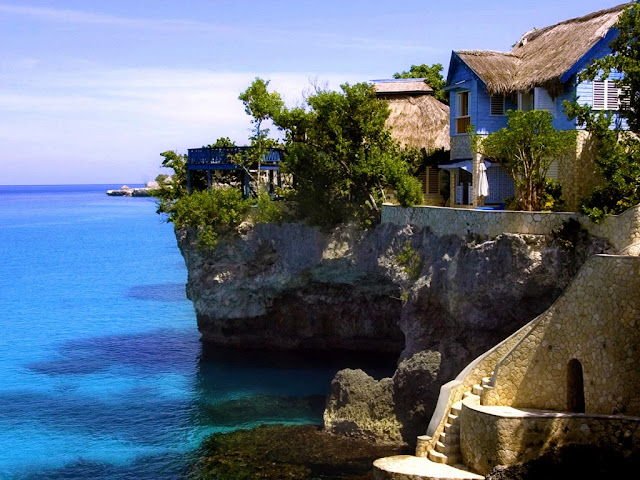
{"x":447,"y":449}
{"x":452,"y":418}
{"x":477,"y":389}
{"x":403,"y":467}
{"x":452,"y":428}
{"x":437,"y":457}
{"x":449,"y":438}
{"x":456,"y":408}
{"x":445,"y":458}
{"x":467,"y":394}
{"x":486,"y":381}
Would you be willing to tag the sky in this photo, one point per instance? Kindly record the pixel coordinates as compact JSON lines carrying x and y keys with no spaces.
{"x":93,"y":92}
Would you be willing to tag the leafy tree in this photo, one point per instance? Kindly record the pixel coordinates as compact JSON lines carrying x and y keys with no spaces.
{"x":617,"y":153}
{"x":526,"y":148}
{"x":169,"y":192}
{"x":617,"y":160}
{"x":261,"y":105}
{"x":222,"y":142}
{"x":432,"y":75}
{"x":625,"y":58}
{"x":342,"y":156}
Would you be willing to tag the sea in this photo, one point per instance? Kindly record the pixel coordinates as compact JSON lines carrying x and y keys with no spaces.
{"x":103,"y":374}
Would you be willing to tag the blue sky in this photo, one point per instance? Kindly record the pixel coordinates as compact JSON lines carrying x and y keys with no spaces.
{"x":92,"y":92}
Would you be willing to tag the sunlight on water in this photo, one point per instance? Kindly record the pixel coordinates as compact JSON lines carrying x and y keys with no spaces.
{"x":103,"y":374}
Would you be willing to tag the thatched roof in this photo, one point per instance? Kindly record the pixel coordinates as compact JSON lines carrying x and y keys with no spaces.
{"x":419,"y":121}
{"x":408,"y":86}
{"x":542,"y":57}
{"x":495,"y":68}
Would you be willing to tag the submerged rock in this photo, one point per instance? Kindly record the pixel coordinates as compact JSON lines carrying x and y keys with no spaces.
{"x":279,"y":452}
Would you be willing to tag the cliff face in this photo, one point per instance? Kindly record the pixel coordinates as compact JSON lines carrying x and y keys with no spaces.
{"x":439,"y":301}
{"x":291,"y":286}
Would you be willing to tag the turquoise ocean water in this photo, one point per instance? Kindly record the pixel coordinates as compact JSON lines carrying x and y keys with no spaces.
{"x":102,"y":372}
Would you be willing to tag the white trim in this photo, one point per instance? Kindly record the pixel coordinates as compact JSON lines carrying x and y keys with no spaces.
{"x":520,"y":101}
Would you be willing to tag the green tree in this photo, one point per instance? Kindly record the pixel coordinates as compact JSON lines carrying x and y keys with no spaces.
{"x":617,"y":161}
{"x":222,"y":142}
{"x":169,"y":192}
{"x":432,"y":75}
{"x":525,"y":149}
{"x":625,"y":58}
{"x":342,"y":156}
{"x":261,"y":105}
{"x":617,"y":155}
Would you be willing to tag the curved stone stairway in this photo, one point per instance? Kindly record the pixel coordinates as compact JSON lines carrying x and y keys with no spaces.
{"x":444,"y":461}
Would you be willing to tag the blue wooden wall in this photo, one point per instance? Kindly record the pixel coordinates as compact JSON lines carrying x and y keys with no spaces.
{"x":461,"y":77}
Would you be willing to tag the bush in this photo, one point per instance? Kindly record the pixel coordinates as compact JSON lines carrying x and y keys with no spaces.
{"x":552,"y":197}
{"x":267,"y":211}
{"x":570,"y":234}
{"x":212,"y":212}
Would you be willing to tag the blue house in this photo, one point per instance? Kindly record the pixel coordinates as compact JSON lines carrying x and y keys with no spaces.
{"x":539,"y":72}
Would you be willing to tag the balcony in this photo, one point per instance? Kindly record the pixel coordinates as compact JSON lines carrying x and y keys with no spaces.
{"x":228,"y":158}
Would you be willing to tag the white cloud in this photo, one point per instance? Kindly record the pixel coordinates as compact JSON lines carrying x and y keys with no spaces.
{"x":86,"y":18}
{"x":120,"y":119}
{"x":193,"y":27}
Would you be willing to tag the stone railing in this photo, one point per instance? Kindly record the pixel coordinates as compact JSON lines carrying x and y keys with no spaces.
{"x":594,"y":321}
{"x":621,"y":231}
{"x":492,"y":436}
{"x":473,"y":373}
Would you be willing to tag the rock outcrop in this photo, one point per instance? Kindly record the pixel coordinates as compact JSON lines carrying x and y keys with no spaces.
{"x":438,"y":301}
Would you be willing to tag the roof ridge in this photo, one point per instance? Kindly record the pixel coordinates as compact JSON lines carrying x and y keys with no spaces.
{"x":485,"y":52}
{"x":535,"y":32}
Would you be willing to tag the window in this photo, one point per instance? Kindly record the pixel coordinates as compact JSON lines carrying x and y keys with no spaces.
{"x":430,"y":180}
{"x":433,"y":184}
{"x":525,"y":101}
{"x":543,"y":101}
{"x":538,"y":99}
{"x":607,"y":96}
{"x":463,"y":120}
{"x":497,"y":105}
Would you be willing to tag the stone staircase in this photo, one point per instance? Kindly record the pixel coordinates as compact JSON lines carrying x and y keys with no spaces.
{"x":447,"y":446}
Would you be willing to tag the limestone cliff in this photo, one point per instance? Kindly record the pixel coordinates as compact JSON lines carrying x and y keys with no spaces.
{"x":439,"y":301}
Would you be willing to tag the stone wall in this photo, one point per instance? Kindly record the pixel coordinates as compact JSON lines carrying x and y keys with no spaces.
{"x":621,"y":231}
{"x":454,"y":391}
{"x":576,"y":171}
{"x":596,"y":322}
{"x":461,"y":147}
{"x":491,"y":437}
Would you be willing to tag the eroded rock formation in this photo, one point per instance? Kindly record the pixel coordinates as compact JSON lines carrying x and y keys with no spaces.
{"x":439,"y":301}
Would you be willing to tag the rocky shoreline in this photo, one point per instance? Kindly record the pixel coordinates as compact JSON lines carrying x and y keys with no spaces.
{"x":126,"y":191}
{"x":437,"y":301}
{"x":306,"y":452}
{"x":286,"y":452}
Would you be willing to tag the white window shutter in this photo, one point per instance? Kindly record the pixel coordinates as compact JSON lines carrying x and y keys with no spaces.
{"x":599,"y":94}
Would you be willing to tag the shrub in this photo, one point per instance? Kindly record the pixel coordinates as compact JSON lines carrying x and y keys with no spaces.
{"x":570,"y":234}
{"x":212,"y":212}
{"x":267,"y":211}
{"x":552,"y":197}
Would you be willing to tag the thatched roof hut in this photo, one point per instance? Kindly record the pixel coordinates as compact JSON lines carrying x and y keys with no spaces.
{"x":417,"y":119}
{"x":542,"y":58}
